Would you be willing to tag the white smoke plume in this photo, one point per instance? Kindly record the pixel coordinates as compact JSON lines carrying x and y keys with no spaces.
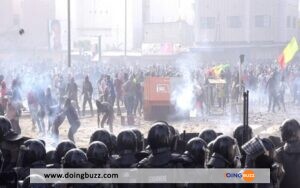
{"x":182,"y":95}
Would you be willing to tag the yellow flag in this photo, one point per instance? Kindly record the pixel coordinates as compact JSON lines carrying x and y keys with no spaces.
{"x":290,"y":50}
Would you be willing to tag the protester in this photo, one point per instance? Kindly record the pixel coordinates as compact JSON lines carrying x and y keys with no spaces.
{"x":87,"y":92}
{"x":107,"y":110}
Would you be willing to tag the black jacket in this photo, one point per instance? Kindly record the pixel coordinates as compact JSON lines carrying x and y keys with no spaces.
{"x":289,"y":156}
{"x":218,"y":161}
{"x":162,"y":158}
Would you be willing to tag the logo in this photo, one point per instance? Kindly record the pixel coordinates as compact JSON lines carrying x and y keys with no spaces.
{"x":162,"y":88}
{"x":247,"y":175}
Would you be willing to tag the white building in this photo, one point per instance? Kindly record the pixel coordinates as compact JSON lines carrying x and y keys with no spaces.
{"x":246,"y":26}
{"x":168,"y":21}
{"x":105,"y":18}
{"x":17,"y":14}
{"x":246,"y":21}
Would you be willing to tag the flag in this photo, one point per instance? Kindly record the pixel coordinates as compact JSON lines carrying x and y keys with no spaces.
{"x":218,"y":69}
{"x":288,"y":53}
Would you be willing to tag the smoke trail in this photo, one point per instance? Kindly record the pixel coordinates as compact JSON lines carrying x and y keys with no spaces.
{"x":182,"y":95}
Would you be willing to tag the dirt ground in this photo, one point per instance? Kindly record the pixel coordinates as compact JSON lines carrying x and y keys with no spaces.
{"x":262,"y":122}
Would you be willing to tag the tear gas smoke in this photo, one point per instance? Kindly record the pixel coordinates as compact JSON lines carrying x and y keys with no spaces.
{"x":182,"y":95}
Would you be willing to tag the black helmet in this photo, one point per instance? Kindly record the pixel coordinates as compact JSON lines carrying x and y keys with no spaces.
{"x":26,"y":183}
{"x":126,"y":142}
{"x":75,"y":158}
{"x":34,"y":150}
{"x":276,"y":141}
{"x":50,"y":157}
{"x":225,"y":146}
{"x":6,"y":130}
{"x":113,"y":143}
{"x":97,"y":153}
{"x":61,"y":149}
{"x":159,"y":136}
{"x":268,"y":144}
{"x":208,"y":135}
{"x":104,"y":136}
{"x":196,"y":148}
{"x":239,"y":132}
{"x":139,"y":138}
{"x":290,"y":130}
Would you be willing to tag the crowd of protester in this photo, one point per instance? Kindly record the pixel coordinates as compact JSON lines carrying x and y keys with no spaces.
{"x":43,"y":92}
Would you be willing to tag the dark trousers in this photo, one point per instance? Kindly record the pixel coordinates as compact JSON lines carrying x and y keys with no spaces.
{"x":273,"y":101}
{"x":72,"y":130}
{"x":138,"y":103}
{"x":129,"y":104}
{"x":119,"y":99}
{"x":41,"y":124}
{"x":85,"y":100}
{"x":107,"y":118}
{"x":112,"y":100}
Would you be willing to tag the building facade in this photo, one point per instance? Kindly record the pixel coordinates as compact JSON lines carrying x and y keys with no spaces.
{"x":246,"y":21}
{"x":168,"y":23}
{"x":247,"y":26}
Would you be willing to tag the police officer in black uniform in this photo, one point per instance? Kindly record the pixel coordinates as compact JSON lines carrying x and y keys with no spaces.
{"x":26,"y":183}
{"x":225,"y":155}
{"x":159,"y":139}
{"x":10,"y":143}
{"x":126,"y":147}
{"x":208,"y":135}
{"x":141,"y":153}
{"x":238,"y":134}
{"x":98,"y":155}
{"x":76,"y":158}
{"x":32,"y":154}
{"x":289,"y":154}
{"x":104,"y":136}
{"x":195,"y":156}
{"x":7,"y":179}
{"x":61,"y":149}
{"x":264,"y":159}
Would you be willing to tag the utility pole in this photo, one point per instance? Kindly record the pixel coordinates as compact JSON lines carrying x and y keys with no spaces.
{"x":242,"y":59}
{"x":99,"y":48}
{"x":245,"y":117}
{"x":125,"y":39}
{"x":69,"y":34}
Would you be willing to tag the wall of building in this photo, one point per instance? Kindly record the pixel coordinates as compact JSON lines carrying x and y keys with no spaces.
{"x":35,"y":22}
{"x":107,"y":18}
{"x":245,"y":21}
{"x":173,"y":32}
{"x":6,"y":15}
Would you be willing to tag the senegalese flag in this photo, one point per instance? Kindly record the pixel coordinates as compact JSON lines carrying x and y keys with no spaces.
{"x":288,"y":53}
{"x":219,"y":68}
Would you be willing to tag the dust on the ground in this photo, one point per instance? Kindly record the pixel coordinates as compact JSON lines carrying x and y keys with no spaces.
{"x":263,"y":123}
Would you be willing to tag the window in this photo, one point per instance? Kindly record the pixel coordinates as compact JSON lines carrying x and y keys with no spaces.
{"x":234,"y":21}
{"x":288,"y":22}
{"x":207,"y":22}
{"x":263,"y":21}
{"x":294,"y":22}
